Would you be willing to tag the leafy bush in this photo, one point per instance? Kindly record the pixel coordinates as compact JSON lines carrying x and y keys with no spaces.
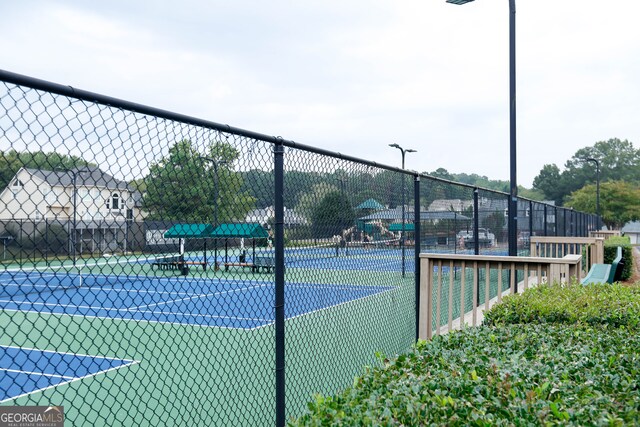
{"x":510,"y":375}
{"x":613,"y":305}
{"x":610,"y":252}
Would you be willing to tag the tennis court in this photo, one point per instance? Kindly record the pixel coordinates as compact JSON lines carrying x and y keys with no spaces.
{"x":192,"y":301}
{"x":78,"y":316}
{"x":28,"y":370}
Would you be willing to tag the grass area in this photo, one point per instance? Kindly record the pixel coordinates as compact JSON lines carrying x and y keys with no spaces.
{"x":554,"y":356}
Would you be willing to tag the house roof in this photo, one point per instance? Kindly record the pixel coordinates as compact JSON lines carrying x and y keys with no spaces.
{"x":243,"y":230}
{"x":189,"y":231}
{"x":397,"y":226}
{"x":396,"y":214}
{"x":370,"y":204}
{"x":88,"y":176}
{"x":450,"y":205}
{"x":631,"y":227}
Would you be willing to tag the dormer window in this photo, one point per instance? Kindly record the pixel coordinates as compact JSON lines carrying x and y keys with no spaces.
{"x":17,"y":185}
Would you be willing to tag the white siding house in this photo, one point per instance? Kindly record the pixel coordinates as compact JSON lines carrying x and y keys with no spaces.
{"x":85,"y":201}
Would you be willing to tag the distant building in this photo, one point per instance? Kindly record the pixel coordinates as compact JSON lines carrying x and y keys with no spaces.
{"x":632,"y":229}
{"x":102,"y":205}
{"x":450,"y":205}
{"x":266,"y":215}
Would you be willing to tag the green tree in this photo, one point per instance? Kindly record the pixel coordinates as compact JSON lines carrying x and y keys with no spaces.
{"x":496,"y":222}
{"x":183,"y":186}
{"x":619,"y":161}
{"x":619,"y":202}
{"x":548,"y":181}
{"x":332,"y":215}
{"x":307,"y":203}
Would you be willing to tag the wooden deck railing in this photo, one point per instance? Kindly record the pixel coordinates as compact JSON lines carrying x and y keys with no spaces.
{"x":592,"y":248}
{"x":456,"y":289}
{"x":605,"y":233}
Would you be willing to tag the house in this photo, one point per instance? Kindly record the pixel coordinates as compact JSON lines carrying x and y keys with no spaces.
{"x":90,"y":206}
{"x":632,"y":229}
{"x":266,"y":216}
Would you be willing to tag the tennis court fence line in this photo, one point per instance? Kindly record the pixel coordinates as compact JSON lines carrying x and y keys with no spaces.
{"x":242,"y":272}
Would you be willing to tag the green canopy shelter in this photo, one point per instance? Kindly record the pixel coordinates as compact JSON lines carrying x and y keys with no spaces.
{"x":397,"y":226}
{"x":191,"y":231}
{"x":251,"y":230}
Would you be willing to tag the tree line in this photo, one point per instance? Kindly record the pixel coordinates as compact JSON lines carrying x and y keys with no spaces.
{"x":575,"y":185}
{"x":189,"y":186}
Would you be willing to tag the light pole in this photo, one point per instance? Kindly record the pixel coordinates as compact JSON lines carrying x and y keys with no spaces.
{"x":513,"y":187}
{"x":403,"y":151}
{"x":74,"y":174}
{"x":591,"y":159}
{"x":215,"y":164}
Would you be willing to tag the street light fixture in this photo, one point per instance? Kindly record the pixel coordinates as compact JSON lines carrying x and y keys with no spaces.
{"x":591,"y":159}
{"x":216,"y":164}
{"x":513,"y":187}
{"x":402,"y":245}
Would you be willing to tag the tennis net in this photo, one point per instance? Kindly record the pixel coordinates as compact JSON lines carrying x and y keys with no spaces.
{"x":26,"y":282}
{"x":301,"y":253}
{"x":378,"y":246}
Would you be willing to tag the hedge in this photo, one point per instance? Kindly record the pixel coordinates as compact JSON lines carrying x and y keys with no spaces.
{"x":548,"y":374}
{"x":553,"y":355}
{"x":614,"y":305}
{"x":610,"y":252}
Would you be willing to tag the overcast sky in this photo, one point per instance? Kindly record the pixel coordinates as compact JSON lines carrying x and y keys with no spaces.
{"x":354,"y":76}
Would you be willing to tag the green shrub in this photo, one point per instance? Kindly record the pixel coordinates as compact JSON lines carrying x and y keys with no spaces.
{"x":610,"y":252}
{"x":613,"y":305}
{"x":510,"y":375}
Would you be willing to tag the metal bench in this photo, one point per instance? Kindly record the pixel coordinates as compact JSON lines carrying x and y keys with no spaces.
{"x":169,"y":262}
{"x":265,"y":262}
{"x":605,"y":273}
{"x":238,"y":264}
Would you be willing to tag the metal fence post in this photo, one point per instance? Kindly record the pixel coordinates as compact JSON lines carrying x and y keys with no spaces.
{"x":416,"y":246}
{"x":476,"y":224}
{"x":278,"y":152}
{"x":530,"y":218}
{"x":476,"y":243}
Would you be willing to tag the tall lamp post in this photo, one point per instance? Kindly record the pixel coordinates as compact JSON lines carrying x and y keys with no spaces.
{"x":74,"y":174}
{"x":591,"y":159}
{"x":513,"y":187}
{"x":402,"y":245}
{"x":216,"y":164}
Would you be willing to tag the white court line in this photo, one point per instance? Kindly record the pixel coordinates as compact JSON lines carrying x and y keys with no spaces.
{"x":330,"y":306}
{"x":94,"y":264}
{"x":201,"y":296}
{"x":336,"y":287}
{"x":90,"y":287}
{"x":66,"y":353}
{"x":36,"y":373}
{"x":267,"y":322}
{"x":71,"y":381}
{"x":128,"y":310}
{"x":150,"y":279}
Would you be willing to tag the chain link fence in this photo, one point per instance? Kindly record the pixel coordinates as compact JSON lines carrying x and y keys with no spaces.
{"x":161,"y":269}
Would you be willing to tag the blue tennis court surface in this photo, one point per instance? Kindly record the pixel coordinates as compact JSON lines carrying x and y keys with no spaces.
{"x":327,"y":257}
{"x":24,"y":370}
{"x":245,"y":304}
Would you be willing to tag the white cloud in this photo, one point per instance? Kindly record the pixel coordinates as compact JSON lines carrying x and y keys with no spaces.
{"x":354,"y":76}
